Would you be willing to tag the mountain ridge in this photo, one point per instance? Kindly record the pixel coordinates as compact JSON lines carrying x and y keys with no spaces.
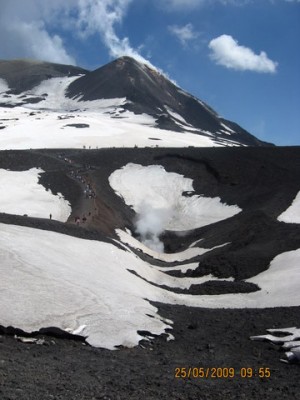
{"x":150,"y":92}
{"x":24,"y":74}
{"x":144,"y":90}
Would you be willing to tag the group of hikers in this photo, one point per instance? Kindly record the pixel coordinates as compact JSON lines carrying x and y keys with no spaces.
{"x":88,"y":191}
{"x":78,"y":220}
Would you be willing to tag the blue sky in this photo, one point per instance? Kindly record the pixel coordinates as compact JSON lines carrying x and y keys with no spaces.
{"x":240,"y":56}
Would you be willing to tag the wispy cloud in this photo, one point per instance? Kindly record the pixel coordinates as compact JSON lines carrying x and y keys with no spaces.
{"x":190,"y":5}
{"x":102,"y":17}
{"x":184,"y":33}
{"x":25,"y":28}
{"x":226,"y":51}
{"x":182,"y":4}
{"x":187,"y":5}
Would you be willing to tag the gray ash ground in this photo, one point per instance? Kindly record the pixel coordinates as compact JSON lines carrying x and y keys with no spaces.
{"x":65,"y":369}
{"x":263,"y":182}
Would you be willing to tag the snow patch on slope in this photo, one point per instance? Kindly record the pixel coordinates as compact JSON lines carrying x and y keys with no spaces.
{"x":22,"y":194}
{"x":290,"y":342}
{"x":177,"y":116}
{"x":187,"y":254}
{"x":57,"y":100}
{"x":227,"y":128}
{"x":292,"y":214}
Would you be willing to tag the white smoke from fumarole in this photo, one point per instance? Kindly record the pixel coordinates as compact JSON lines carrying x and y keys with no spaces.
{"x":150,"y":224}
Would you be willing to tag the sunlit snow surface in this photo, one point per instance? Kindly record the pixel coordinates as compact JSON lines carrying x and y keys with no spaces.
{"x":292,"y":214}
{"x":43,"y":125}
{"x":72,"y":283}
{"x":153,"y":187}
{"x":22,"y":194}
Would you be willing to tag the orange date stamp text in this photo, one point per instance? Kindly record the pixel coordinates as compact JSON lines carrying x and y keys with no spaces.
{"x":221,"y":372}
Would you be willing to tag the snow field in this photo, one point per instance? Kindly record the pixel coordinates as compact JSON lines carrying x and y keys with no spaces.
{"x":72,"y":283}
{"x":110,"y":125}
{"x":45,"y":130}
{"x":22,"y":194}
{"x":58,"y":281}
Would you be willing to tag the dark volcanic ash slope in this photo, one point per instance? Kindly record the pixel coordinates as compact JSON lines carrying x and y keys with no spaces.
{"x":23,"y":75}
{"x":67,"y":370}
{"x":147,"y":91}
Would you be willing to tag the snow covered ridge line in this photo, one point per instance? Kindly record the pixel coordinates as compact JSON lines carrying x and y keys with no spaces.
{"x":23,"y":195}
{"x":290,"y":342}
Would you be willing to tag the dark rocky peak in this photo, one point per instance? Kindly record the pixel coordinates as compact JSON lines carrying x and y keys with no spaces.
{"x":151,"y":92}
{"x":124,"y":77}
{"x":146,"y":89}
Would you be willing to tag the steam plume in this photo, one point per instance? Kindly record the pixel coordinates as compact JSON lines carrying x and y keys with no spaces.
{"x":150,"y":224}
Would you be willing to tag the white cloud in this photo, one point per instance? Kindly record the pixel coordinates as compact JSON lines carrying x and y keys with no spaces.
{"x":184,"y":33}
{"x":226,"y":51}
{"x":25,"y":28}
{"x":35,"y":42}
{"x":23,"y":33}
